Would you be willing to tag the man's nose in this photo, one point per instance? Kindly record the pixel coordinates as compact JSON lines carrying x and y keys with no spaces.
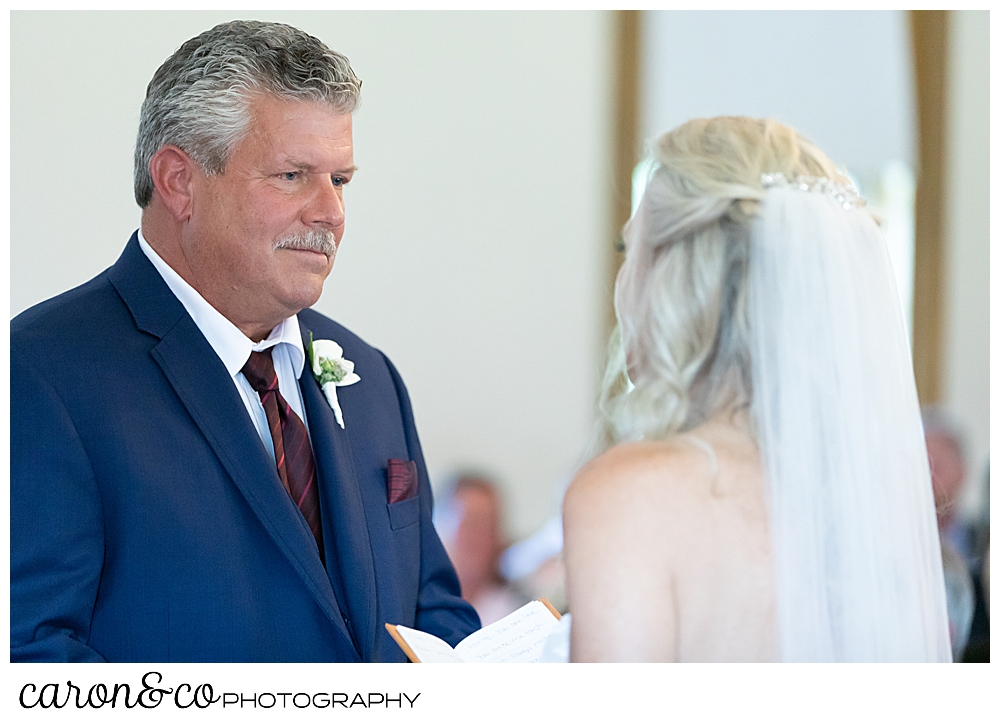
{"x":326,"y":208}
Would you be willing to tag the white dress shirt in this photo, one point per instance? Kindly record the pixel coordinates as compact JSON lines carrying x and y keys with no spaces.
{"x":234,"y":347}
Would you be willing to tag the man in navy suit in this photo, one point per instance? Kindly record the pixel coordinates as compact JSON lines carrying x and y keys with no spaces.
{"x":202,"y":469}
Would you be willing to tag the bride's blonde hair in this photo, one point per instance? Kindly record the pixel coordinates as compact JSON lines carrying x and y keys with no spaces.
{"x":679,"y":353}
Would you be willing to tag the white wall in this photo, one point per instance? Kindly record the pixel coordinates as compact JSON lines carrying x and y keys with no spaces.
{"x":841,"y":78}
{"x":966,"y":358}
{"x":474,"y":245}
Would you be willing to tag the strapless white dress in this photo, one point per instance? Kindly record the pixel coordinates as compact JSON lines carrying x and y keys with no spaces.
{"x":556,"y":648}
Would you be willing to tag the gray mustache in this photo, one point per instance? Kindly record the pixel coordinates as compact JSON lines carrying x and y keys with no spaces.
{"x":311,"y":240}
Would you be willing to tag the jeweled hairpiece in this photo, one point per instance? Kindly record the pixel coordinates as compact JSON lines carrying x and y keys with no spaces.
{"x":844,"y":194}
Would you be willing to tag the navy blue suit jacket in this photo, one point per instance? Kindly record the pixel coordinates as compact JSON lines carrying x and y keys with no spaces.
{"x":148,"y":522}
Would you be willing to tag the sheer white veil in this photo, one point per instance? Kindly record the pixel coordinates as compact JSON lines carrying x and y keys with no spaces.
{"x":857,"y":555}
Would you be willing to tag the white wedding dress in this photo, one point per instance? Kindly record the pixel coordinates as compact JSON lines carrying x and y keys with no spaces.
{"x":556,"y":648}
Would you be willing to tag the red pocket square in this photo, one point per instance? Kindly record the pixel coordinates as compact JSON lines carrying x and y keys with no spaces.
{"x":402,"y":480}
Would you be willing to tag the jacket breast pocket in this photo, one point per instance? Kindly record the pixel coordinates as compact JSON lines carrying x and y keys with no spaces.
{"x":405,"y":513}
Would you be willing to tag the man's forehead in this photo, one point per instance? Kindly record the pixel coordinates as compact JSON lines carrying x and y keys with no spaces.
{"x":295,"y":131}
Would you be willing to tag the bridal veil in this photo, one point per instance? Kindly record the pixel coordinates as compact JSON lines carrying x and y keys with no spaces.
{"x":857,"y":556}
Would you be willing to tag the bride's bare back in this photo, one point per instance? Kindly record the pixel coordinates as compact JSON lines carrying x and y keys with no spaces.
{"x":668,"y":554}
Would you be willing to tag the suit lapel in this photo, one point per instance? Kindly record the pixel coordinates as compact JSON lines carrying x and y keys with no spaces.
{"x":205,"y":388}
{"x":345,"y":529}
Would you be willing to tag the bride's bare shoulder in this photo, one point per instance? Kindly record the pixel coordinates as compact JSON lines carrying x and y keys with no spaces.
{"x":639,"y":478}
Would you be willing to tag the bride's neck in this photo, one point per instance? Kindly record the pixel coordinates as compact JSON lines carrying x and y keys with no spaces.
{"x":736,"y":419}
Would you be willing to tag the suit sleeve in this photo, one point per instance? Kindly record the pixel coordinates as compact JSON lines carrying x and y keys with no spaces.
{"x":441,"y":610}
{"x":56,"y":527}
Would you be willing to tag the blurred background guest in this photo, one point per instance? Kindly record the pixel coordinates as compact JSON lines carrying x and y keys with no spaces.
{"x":977,"y":649}
{"x":945,"y":452}
{"x":986,"y":578}
{"x":964,"y":537}
{"x":961,"y":598}
{"x":469,"y":519}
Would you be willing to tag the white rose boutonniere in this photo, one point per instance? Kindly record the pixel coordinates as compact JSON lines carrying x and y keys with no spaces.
{"x":332,"y":370}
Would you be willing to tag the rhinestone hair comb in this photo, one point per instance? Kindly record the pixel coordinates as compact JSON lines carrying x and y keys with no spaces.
{"x":845,"y":195}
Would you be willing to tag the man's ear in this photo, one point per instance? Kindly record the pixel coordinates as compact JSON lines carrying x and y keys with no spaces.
{"x":173,"y":174}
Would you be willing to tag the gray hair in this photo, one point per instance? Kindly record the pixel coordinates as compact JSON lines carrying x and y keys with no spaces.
{"x":199,"y":99}
{"x":680,"y":352}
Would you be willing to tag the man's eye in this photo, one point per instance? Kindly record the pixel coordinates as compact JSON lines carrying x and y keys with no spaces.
{"x":338,"y":181}
{"x":289,"y":175}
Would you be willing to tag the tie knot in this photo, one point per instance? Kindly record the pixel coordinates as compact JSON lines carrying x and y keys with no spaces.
{"x":259,"y":371}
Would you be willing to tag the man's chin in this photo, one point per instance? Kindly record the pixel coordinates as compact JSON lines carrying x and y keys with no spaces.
{"x":305,"y":294}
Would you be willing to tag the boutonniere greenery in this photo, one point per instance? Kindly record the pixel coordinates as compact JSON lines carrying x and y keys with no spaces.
{"x":331,"y":370}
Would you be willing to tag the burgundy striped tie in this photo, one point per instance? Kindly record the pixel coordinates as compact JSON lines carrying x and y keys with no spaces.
{"x":292,"y":451}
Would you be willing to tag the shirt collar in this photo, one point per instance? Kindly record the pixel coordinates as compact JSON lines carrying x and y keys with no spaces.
{"x":231,"y":344}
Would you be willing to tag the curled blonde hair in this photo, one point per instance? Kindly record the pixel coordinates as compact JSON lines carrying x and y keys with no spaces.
{"x":679,"y":353}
